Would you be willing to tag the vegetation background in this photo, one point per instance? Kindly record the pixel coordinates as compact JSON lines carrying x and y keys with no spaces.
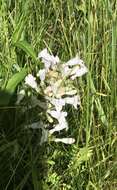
{"x":66,"y":28}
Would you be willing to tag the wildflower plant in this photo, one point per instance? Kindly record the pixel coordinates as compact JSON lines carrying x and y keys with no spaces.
{"x":57,"y":88}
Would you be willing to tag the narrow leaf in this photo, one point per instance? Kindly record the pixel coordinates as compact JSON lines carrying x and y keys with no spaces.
{"x":15,"y":80}
{"x":25,"y":46}
{"x":6,"y":94}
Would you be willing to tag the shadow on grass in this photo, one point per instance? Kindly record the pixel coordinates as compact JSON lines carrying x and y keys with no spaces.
{"x":22,"y":159}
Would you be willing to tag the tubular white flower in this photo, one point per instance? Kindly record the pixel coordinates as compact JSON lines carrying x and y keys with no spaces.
{"x":74,"y":68}
{"x":59,"y":115}
{"x":78,"y":71}
{"x":74,"y":61}
{"x":75,"y":100}
{"x":58,"y":103}
{"x":65,"y":140}
{"x":41,"y":74}
{"x":30,"y":80}
{"x":47,"y":59}
{"x":62,"y":123}
{"x":60,"y":126}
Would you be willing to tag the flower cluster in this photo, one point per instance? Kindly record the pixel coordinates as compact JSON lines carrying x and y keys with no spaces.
{"x":56,"y":82}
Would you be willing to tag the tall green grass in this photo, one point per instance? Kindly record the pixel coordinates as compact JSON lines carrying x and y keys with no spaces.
{"x":66,"y":28}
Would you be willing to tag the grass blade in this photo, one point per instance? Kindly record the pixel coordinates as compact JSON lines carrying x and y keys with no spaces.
{"x":25,"y":46}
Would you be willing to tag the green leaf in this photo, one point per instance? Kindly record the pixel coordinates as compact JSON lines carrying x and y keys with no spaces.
{"x":6,"y":94}
{"x":15,"y":80}
{"x":27,"y":48}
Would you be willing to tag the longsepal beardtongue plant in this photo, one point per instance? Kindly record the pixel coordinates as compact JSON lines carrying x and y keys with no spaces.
{"x":57,"y":87}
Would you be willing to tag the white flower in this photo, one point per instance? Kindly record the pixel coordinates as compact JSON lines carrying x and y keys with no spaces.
{"x":41,"y":74}
{"x":60,"y":126}
{"x":65,"y":140}
{"x":58,"y":103}
{"x":74,"y":61}
{"x":62,"y":123}
{"x":47,"y":59}
{"x":30,"y":80}
{"x":78,"y":71}
{"x":75,"y":100}
{"x":59,"y":115}
{"x":74,"y":68}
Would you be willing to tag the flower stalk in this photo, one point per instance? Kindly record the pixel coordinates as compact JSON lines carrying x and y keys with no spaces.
{"x":56,"y":82}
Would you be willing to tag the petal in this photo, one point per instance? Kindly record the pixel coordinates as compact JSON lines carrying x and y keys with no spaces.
{"x":65,"y":140}
{"x":75,"y":100}
{"x":74,"y":61}
{"x":59,"y":115}
{"x":43,"y":53}
{"x":47,"y":59}
{"x":55,"y":114}
{"x":58,"y":103}
{"x":59,"y":127}
{"x":41,"y":74}
{"x":30,"y":80}
{"x":78,"y":72}
{"x":65,"y":70}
